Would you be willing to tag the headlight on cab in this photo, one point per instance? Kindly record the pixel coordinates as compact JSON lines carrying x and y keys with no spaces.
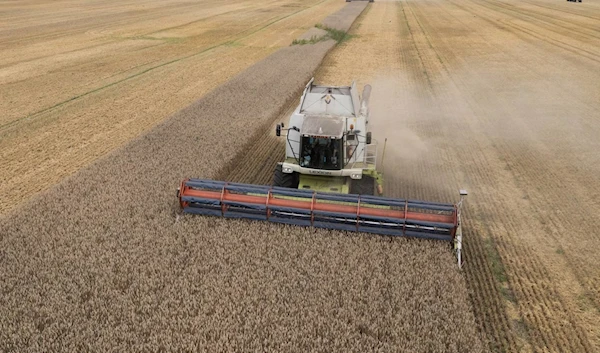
{"x":287,"y":170}
{"x":356,"y":176}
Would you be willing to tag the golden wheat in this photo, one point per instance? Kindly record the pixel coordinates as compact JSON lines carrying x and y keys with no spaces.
{"x":104,"y":261}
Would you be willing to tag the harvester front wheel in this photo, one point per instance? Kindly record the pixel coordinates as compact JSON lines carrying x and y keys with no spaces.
{"x":285,"y":180}
{"x":364,"y":186}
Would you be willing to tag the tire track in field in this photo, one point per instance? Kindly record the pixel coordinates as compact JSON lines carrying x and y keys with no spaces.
{"x":486,"y":298}
{"x":115,"y":24}
{"x":575,"y":191}
{"x":490,"y":16}
{"x":505,"y":222}
{"x":538,"y":271}
{"x":548,"y":21}
{"x":561,"y":9}
{"x":522,"y":32}
{"x":558,"y":39}
{"x":234,"y":38}
{"x":42,"y":151}
{"x":117,"y":19}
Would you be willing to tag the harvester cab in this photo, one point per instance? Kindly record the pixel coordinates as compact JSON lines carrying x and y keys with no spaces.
{"x":328,"y":178}
{"x":329,"y":147}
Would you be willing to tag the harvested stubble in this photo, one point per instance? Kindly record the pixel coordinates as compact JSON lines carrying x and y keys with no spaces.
{"x":104,"y":261}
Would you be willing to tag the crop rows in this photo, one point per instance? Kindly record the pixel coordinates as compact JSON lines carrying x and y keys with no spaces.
{"x":464,"y":113}
{"x":107,"y":73}
{"x":105,"y":261}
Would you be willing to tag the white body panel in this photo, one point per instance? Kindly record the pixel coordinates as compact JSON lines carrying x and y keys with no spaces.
{"x":354,"y":173}
{"x":336,"y":102}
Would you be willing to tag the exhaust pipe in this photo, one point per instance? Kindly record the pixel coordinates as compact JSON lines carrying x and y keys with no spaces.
{"x":364,"y":103}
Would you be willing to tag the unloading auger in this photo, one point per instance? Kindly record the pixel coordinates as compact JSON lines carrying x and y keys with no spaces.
{"x":328,"y":179}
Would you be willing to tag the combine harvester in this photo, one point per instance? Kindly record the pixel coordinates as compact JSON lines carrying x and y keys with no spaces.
{"x":328,"y":178}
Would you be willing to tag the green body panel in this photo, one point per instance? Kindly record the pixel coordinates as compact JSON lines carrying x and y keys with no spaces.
{"x":340,"y":184}
{"x":375,"y":174}
{"x":335,"y":184}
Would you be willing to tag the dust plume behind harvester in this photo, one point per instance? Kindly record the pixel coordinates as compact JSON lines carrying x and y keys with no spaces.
{"x":328,"y":178}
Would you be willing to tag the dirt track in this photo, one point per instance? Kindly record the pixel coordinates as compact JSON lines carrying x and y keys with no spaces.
{"x":500,"y":98}
{"x":80,"y":78}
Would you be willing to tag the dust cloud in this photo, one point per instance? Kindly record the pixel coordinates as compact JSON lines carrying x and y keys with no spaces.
{"x":391,"y":108}
{"x":415,"y":123}
{"x":432,"y":129}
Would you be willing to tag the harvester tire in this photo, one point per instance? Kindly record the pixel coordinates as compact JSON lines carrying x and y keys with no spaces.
{"x":364,"y":186}
{"x":285,"y":180}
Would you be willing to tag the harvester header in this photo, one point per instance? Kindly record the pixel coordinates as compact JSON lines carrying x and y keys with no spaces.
{"x":359,"y":213}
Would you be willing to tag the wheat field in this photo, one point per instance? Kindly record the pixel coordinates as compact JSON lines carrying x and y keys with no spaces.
{"x":496,"y":96}
{"x":105,"y":261}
